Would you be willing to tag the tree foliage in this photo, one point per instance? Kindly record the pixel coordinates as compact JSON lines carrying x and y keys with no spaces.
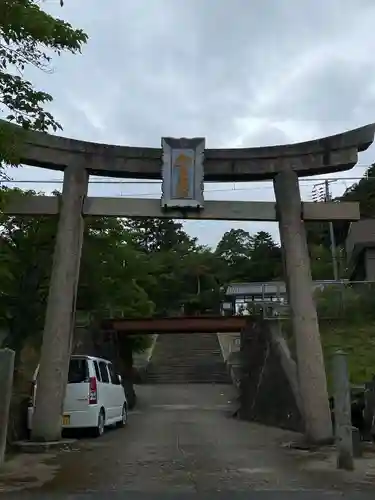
{"x":28,"y":36}
{"x":362,"y":192}
{"x":131,"y":268}
{"x":140,"y":268}
{"x":250,"y":257}
{"x":26,"y":248}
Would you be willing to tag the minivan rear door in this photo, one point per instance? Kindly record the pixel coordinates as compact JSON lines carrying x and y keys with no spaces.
{"x":77,"y":389}
{"x":105,"y":394}
{"x":117,"y":392}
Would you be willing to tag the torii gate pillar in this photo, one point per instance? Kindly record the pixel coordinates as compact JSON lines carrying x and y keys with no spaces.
{"x":61,"y":307}
{"x":310,"y":361}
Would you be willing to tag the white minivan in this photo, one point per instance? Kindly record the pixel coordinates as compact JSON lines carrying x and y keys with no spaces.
{"x":94,"y":399}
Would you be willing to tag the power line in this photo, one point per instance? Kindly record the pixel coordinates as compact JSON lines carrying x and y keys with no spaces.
{"x":53,"y":181}
{"x":321,"y":192}
{"x":304,"y":182}
{"x":157,"y":194}
{"x":224,"y":190}
{"x":104,"y":180}
{"x":60,"y":181}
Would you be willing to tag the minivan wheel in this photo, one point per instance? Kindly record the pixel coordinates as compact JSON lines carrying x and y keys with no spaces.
{"x":99,"y":429}
{"x":124,"y":417}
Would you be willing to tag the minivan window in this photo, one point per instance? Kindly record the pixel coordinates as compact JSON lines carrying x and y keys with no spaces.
{"x":114,"y":377}
{"x":78,"y":371}
{"x":104,"y":372}
{"x":97,"y":372}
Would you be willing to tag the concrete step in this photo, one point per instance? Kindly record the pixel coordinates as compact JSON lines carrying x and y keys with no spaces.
{"x":191,"y":378}
{"x":184,"y":382}
{"x":193,"y":373}
{"x":188,"y":380}
{"x":187,"y":376}
{"x":187,"y":358}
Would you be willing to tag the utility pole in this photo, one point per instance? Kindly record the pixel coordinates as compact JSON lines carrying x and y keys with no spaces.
{"x":332,"y":237}
{"x":319,"y":195}
{"x":342,"y":408}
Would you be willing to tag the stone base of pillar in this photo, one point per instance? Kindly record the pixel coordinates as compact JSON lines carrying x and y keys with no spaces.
{"x":6,"y":387}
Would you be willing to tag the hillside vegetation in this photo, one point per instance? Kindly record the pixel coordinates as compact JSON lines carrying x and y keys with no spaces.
{"x":347,"y":315}
{"x":348,"y":322}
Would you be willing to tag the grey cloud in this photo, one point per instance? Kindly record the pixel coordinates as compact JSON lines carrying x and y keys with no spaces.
{"x":198,"y":67}
{"x":266,"y":135}
{"x":238,"y":72}
{"x":331,"y":94}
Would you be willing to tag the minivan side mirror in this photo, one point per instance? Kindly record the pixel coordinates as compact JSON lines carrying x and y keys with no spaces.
{"x":119,"y":379}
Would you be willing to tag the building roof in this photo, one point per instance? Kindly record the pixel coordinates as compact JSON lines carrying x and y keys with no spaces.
{"x":270,"y":288}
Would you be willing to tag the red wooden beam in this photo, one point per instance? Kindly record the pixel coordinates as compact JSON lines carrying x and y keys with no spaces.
{"x":185,"y":324}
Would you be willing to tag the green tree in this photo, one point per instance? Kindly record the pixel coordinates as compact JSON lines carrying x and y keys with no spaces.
{"x":26,"y":249}
{"x":111,"y":279}
{"x":28,"y":36}
{"x":113,"y":273}
{"x":166,"y":247}
{"x":203,"y":277}
{"x":249,"y":257}
{"x":363,"y":192}
{"x":234,"y":249}
{"x":158,"y":235}
{"x":265,"y":258}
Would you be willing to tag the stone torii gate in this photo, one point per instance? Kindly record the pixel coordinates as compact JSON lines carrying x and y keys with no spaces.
{"x":183,"y":165}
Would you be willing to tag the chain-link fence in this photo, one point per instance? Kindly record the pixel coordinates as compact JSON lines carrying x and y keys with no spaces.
{"x":354,"y":300}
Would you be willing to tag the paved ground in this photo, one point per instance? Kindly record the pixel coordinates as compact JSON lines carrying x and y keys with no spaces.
{"x":182,"y":439}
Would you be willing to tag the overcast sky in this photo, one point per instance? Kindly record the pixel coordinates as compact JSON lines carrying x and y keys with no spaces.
{"x":238,"y":72}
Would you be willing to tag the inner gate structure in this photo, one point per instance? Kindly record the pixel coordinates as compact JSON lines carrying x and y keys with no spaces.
{"x":183,"y":165}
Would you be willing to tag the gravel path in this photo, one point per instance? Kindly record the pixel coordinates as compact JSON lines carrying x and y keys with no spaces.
{"x":182,"y":439}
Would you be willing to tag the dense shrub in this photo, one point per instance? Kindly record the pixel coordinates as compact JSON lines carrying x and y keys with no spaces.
{"x":350,"y":302}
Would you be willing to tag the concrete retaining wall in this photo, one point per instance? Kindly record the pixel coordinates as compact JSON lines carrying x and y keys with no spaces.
{"x":141,"y":360}
{"x":230,"y":349}
{"x":268,"y":388}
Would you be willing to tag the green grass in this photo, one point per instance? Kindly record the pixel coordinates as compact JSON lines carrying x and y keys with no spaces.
{"x":357,"y":340}
{"x":347,"y":322}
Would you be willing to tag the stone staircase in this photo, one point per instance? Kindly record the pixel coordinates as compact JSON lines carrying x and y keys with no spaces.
{"x":187,"y":358}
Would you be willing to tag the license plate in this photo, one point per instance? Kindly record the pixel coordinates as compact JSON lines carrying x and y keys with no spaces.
{"x":66,"y":420}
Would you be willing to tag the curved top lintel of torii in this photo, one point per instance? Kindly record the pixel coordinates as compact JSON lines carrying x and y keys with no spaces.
{"x":320,"y":156}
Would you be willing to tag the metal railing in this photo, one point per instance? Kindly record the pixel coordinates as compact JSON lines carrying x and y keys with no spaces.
{"x":334,"y":300}
{"x":271,"y":290}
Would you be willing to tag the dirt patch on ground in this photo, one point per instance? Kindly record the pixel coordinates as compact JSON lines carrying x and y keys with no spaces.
{"x":27,"y":471}
{"x":322,"y":463}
